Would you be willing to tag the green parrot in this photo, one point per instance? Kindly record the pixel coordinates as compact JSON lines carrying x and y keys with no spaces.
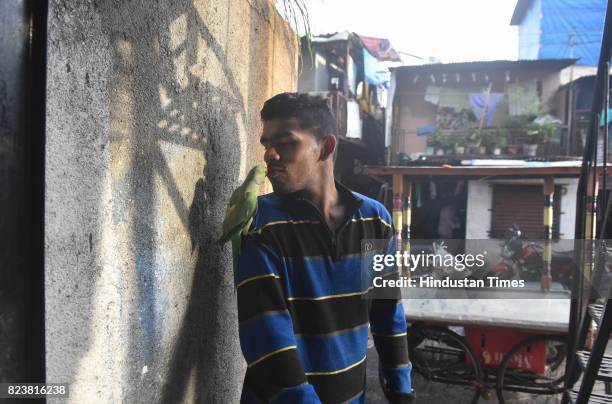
{"x":241,"y":209}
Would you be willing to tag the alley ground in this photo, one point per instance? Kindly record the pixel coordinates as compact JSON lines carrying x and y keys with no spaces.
{"x":437,"y":393}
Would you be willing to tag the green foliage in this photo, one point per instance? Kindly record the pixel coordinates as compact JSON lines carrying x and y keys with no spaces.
{"x":493,"y":137}
{"x":440,"y":140}
{"x":527,"y":101}
{"x":541,"y":133}
{"x":436,"y":140}
{"x":296,"y":13}
{"x":519,"y":121}
{"x":457,"y":140}
{"x":476,"y":136}
{"x":487,"y":137}
{"x":501,"y":137}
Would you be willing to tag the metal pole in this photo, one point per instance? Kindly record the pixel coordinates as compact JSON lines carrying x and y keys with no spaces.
{"x":549,"y":189}
{"x":398,"y":198}
{"x":576,"y":308}
{"x":605,"y":150}
{"x":407,"y":220}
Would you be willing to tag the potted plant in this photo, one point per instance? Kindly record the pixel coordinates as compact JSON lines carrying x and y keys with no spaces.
{"x":436,"y":142}
{"x":536,"y":135}
{"x":516,"y":125}
{"x":475,"y":141}
{"x":513,"y":148}
{"x":500,"y":141}
{"x":492,"y":140}
{"x":457,"y":143}
{"x":448,"y":144}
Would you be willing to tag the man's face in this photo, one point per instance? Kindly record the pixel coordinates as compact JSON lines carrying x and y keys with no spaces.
{"x":292,"y":155}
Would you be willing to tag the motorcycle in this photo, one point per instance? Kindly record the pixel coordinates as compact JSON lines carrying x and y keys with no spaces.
{"x":525,"y":261}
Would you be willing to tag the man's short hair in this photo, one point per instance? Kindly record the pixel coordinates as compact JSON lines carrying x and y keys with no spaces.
{"x":312,"y":111}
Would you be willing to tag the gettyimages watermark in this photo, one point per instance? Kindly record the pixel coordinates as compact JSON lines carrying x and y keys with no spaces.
{"x":514,"y":268}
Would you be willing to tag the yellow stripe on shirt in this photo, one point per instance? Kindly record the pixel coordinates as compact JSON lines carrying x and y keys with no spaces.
{"x":256,"y":361}
{"x":257,"y":277}
{"x":401,"y":334}
{"x":335,"y":372}
{"x":330,"y":296}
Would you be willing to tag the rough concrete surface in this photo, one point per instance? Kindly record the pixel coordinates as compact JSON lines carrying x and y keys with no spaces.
{"x":152,"y":120}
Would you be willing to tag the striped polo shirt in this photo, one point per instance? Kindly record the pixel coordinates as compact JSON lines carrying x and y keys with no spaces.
{"x":303,"y":313}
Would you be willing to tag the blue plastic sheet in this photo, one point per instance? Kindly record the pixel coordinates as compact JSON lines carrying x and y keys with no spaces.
{"x":426,"y":130}
{"x":375,"y":73}
{"x":559,"y":29}
{"x":482,"y":101}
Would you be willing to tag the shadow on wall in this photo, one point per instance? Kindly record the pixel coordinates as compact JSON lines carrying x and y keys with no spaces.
{"x":206,"y":347}
{"x":173,"y":105}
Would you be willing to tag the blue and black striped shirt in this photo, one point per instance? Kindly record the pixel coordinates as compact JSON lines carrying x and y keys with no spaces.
{"x":302,"y":309}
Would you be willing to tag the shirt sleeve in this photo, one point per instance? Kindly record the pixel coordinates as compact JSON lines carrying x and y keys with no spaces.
{"x":275,"y":373}
{"x":388,"y":327}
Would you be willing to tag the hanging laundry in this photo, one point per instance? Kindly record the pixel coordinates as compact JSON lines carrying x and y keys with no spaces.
{"x":457,"y":98}
{"x":432,"y":94}
{"x":485,"y":103}
{"x":449,"y":97}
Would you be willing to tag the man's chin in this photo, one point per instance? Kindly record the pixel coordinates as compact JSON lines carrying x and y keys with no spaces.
{"x":281,"y":188}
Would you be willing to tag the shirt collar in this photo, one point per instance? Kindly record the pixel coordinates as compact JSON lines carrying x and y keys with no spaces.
{"x":352,"y":201}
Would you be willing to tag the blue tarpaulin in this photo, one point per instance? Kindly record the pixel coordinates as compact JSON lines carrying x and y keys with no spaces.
{"x":482,"y":101}
{"x":559,"y":29}
{"x":426,"y":129}
{"x":375,"y":73}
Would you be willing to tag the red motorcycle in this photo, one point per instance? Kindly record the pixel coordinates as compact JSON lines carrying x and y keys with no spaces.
{"x":525,"y":261}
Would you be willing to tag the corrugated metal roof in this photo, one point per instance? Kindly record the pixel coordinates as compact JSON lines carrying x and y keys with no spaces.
{"x":381,"y":48}
{"x":489,"y":65}
{"x":336,"y":36}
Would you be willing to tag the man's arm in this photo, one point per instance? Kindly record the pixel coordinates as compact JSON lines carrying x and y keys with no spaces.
{"x":275,"y":373}
{"x":388,"y":327}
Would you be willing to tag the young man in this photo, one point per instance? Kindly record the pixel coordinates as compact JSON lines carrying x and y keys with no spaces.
{"x":303,"y":310}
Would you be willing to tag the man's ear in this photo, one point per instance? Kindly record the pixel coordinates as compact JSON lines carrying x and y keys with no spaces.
{"x":329,"y":144}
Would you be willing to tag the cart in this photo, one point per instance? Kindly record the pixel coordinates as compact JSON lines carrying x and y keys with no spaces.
{"x":490,"y":345}
{"x":514,"y":344}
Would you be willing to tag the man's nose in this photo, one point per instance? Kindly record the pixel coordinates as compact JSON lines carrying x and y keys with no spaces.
{"x":271,"y":155}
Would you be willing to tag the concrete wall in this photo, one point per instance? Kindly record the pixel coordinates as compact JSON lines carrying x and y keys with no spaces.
{"x":152,"y":121}
{"x":567,"y":220}
{"x":478,"y":214}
